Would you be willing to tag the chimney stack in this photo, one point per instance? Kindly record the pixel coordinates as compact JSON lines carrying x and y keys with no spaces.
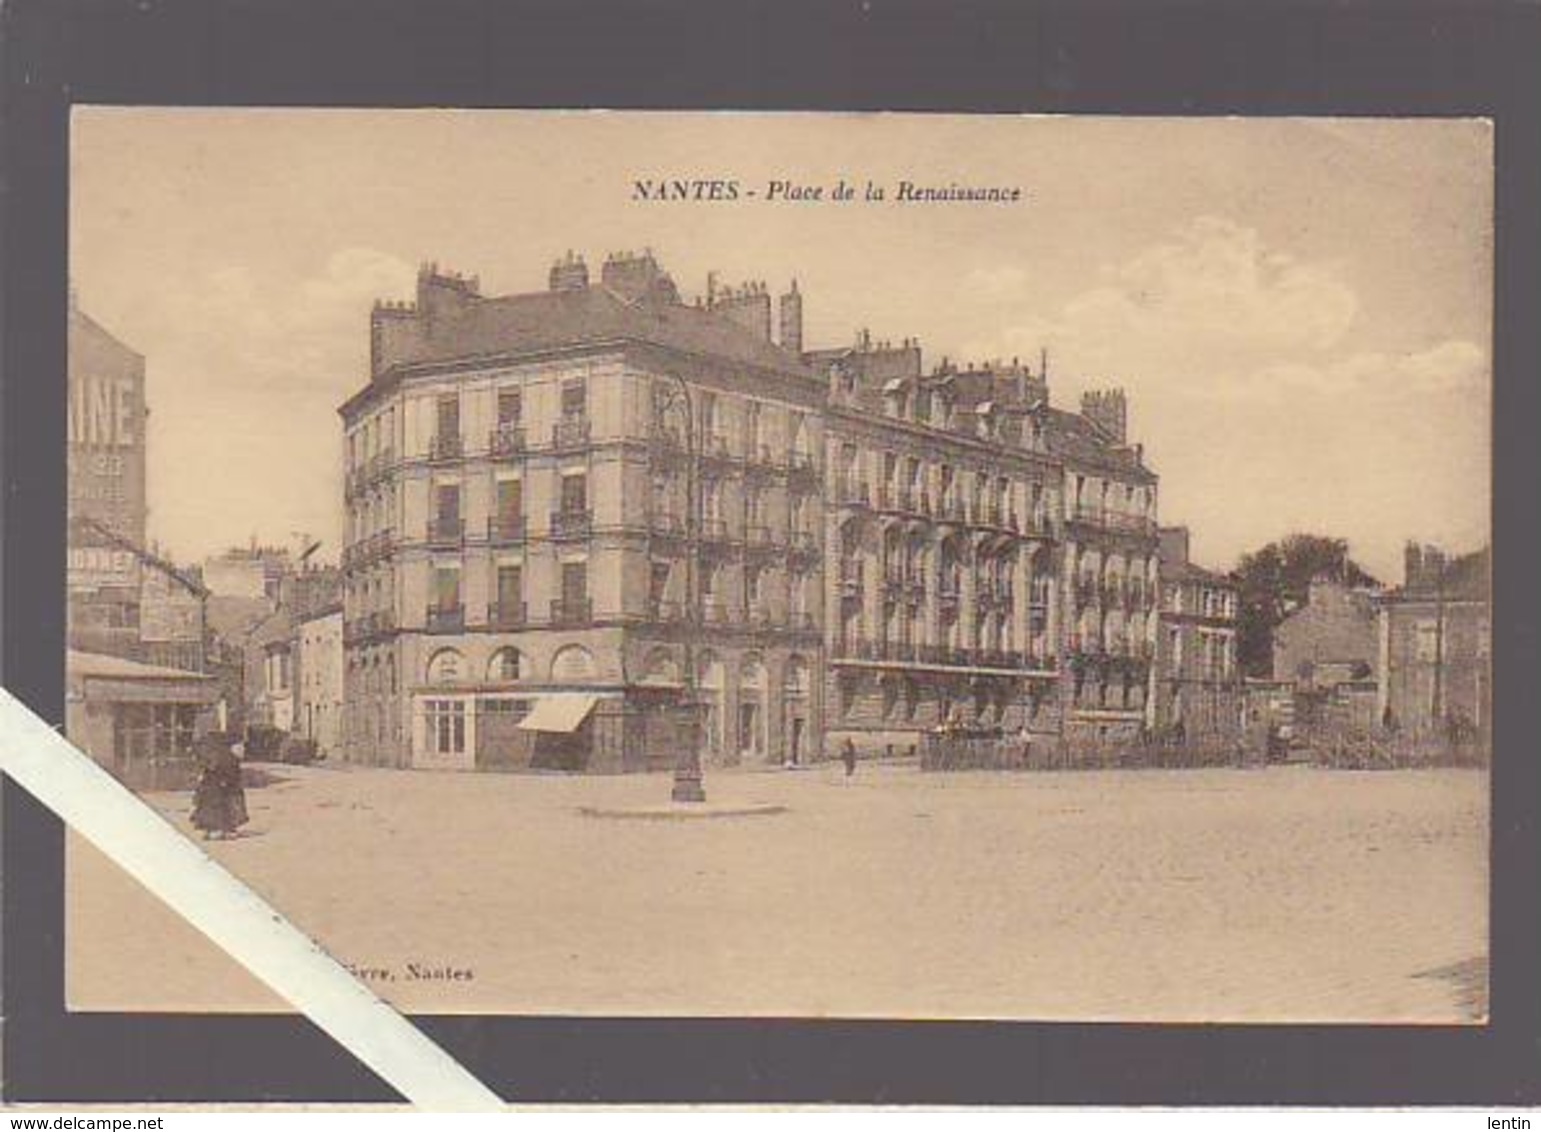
{"x":792,"y":320}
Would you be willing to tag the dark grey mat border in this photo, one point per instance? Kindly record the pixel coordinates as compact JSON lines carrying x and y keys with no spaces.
{"x":1398,"y":59}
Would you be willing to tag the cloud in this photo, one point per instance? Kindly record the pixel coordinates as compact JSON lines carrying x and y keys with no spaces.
{"x":1210,"y":298}
{"x":1259,"y":404}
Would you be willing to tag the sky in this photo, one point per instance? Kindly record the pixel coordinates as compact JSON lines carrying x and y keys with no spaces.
{"x":1298,"y":310}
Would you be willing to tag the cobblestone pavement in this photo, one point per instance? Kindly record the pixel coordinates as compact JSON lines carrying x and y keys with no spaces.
{"x":1286,"y":894}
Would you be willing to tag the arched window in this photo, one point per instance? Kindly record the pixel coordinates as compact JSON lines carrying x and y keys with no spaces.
{"x":446,"y":666}
{"x":573,"y":664}
{"x":506,"y":665}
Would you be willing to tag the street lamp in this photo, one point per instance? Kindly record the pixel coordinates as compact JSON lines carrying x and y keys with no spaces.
{"x":687,"y":763}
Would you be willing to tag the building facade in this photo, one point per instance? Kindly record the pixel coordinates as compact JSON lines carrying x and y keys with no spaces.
{"x":988,"y":555}
{"x":1330,"y":640}
{"x":106,"y":488}
{"x":564,"y":510}
{"x":1198,"y":688}
{"x":318,"y":665}
{"x":571,"y":515}
{"x":1435,"y":644}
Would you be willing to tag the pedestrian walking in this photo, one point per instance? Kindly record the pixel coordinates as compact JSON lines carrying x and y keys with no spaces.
{"x":848,"y":756}
{"x":219,"y":800}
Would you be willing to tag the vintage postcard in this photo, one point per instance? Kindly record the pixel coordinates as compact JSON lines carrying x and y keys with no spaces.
{"x":813,"y":565}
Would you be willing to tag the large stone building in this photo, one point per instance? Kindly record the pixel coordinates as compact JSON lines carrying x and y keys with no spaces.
{"x":991,"y":559}
{"x":567,"y":511}
{"x":1198,"y":684}
{"x":519,"y":542}
{"x":106,"y":481}
{"x":1435,"y":644}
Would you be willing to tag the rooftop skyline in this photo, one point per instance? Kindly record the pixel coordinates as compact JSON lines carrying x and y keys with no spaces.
{"x":1299,"y":310}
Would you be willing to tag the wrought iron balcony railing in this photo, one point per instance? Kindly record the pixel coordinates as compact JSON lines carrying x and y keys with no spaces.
{"x":445,"y":619}
{"x":446,"y":531}
{"x":506,"y":528}
{"x":572,"y":611}
{"x":507,"y":615}
{"x":570,"y":432}
{"x":571,"y":523}
{"x":445,"y":446}
{"x":507,"y":440}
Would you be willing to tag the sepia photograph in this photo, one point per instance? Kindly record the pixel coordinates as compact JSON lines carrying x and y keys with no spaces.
{"x":810,"y":565}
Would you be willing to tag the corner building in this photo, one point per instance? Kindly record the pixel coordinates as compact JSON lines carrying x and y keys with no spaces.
{"x":873,"y":549}
{"x":519,"y":544}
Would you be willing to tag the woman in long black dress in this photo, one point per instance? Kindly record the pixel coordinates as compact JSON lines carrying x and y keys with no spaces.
{"x":219,"y":800}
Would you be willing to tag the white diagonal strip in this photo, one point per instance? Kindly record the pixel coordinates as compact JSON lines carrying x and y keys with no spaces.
{"x":161,"y":858}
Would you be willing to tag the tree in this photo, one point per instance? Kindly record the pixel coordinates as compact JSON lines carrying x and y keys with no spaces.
{"x":1277,"y":579}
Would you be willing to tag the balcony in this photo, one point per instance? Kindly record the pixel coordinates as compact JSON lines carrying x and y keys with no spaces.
{"x":714,"y":446}
{"x":665,"y":609}
{"x":947,"y":593}
{"x":997,"y":658}
{"x":369,"y":627}
{"x":572,"y":611}
{"x":895,"y":587}
{"x":444,"y":447}
{"x":507,"y":440}
{"x":445,"y":619}
{"x":804,"y":543}
{"x":852,"y":493}
{"x":856,"y":648}
{"x":445,"y":531}
{"x":665,"y":524}
{"x":950,"y":510}
{"x":998,"y":594}
{"x":761,"y":616}
{"x":762,"y":459}
{"x":378,"y":465}
{"x":758,"y":536}
{"x":802,"y":621}
{"x":505,"y":529}
{"x":571,"y":524}
{"x":714,"y":611}
{"x":570,"y":432}
{"x":714,"y":529}
{"x":801,"y":466}
{"x":503,"y":616}
{"x":666,"y":443}
{"x":1090,"y":515}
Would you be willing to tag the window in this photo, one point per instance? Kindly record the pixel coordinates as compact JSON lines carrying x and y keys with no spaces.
{"x":658,"y":583}
{"x":1427,"y":636}
{"x":575,"y":493}
{"x":510,"y":501}
{"x":446,"y":506}
{"x":446,"y":726}
{"x":575,"y":399}
{"x":446,"y":588}
{"x":753,"y":587}
{"x":505,"y":665}
{"x":510,"y":588}
{"x":752,"y":429}
{"x":575,"y":584}
{"x":510,"y":407}
{"x":447,"y":423}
